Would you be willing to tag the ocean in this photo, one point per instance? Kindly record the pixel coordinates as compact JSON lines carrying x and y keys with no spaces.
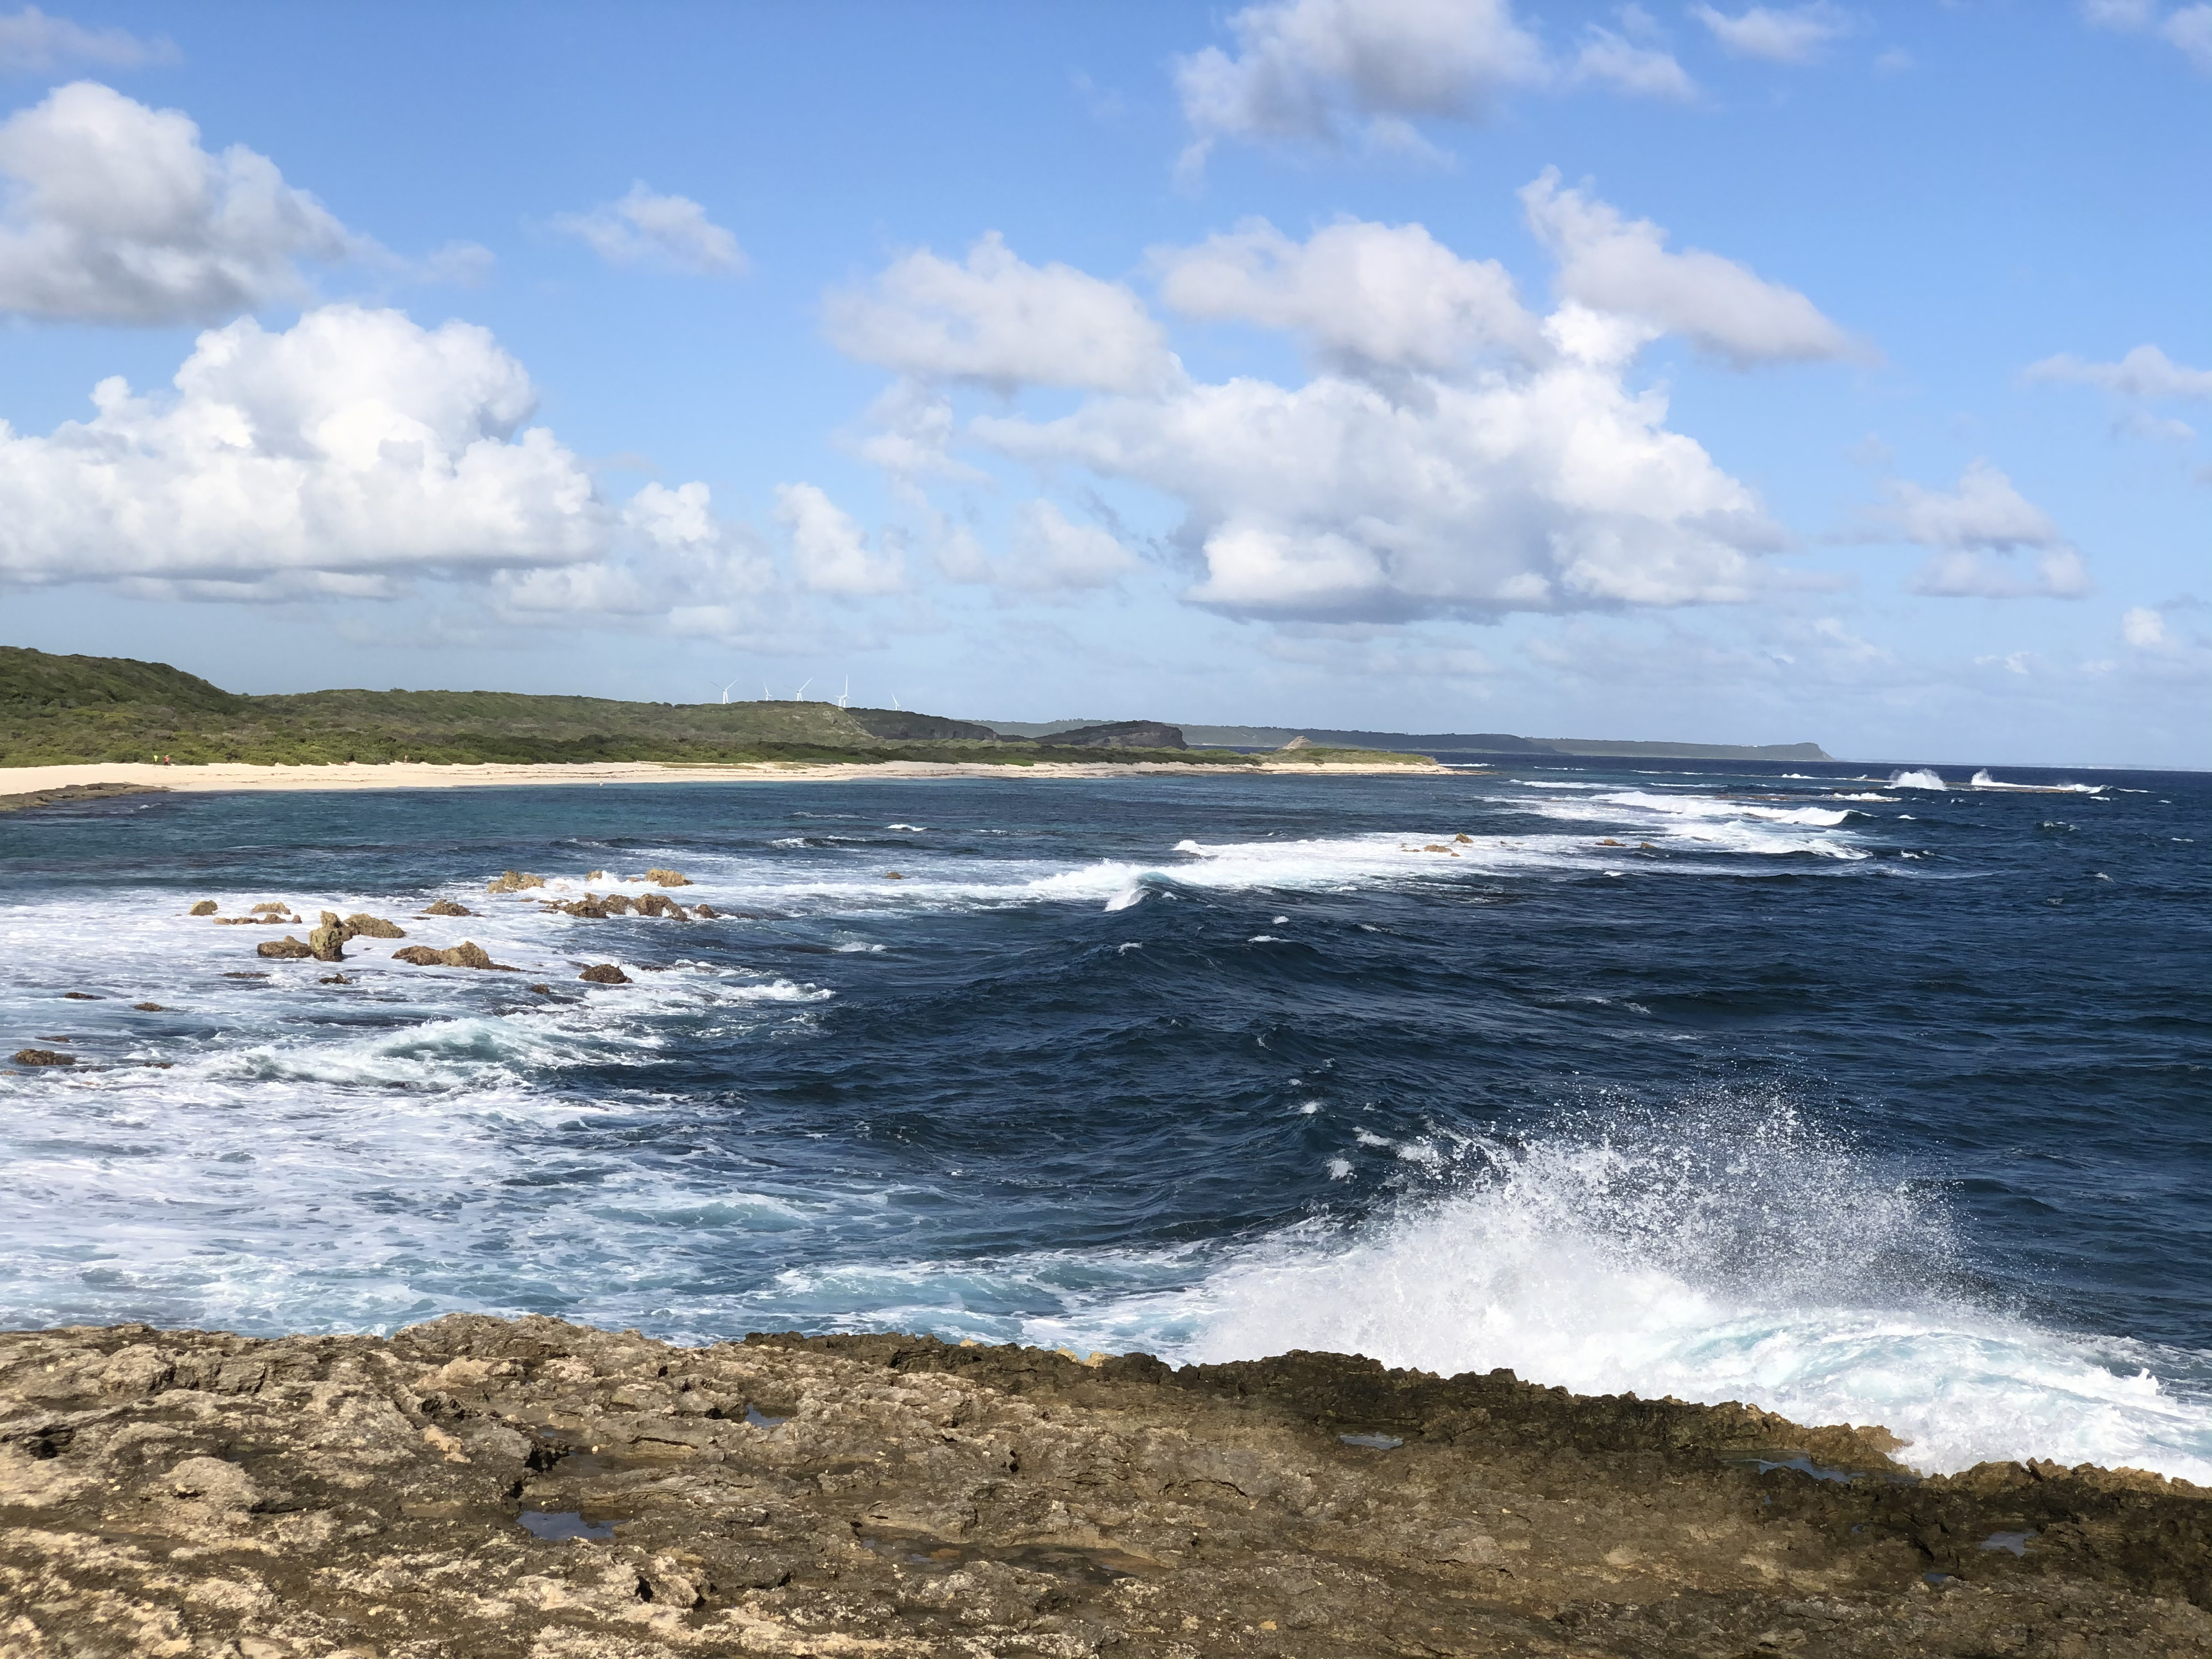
{"x":1876,"y":1095}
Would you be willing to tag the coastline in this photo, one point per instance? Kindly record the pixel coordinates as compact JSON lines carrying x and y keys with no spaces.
{"x":229,"y":777}
{"x":486,"y":1486}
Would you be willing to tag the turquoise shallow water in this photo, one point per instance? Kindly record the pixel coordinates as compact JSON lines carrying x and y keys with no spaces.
{"x":1878,"y":1098}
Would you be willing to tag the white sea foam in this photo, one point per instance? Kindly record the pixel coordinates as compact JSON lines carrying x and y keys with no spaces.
{"x":1982,"y":779}
{"x":1918,"y":777}
{"x":1714,"y":1256}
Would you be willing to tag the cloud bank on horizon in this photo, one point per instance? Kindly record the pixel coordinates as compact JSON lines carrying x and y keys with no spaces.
{"x":1442,"y":445}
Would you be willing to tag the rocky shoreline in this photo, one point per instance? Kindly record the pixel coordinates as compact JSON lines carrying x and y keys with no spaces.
{"x":484,"y":1486}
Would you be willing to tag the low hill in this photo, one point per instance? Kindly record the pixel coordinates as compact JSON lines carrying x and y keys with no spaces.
{"x":57,"y":710}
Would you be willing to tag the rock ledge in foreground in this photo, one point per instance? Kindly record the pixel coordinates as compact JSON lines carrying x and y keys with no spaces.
{"x":186,"y":1492}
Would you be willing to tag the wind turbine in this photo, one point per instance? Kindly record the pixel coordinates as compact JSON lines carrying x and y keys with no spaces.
{"x":726,"y":691}
{"x":846,"y":693}
{"x":801,"y":692}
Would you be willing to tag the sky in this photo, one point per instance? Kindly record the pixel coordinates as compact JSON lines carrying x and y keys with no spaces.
{"x":1719,"y":372}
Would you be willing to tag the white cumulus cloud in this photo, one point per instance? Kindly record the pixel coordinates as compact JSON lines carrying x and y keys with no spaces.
{"x":33,"y":43}
{"x":1552,"y":489}
{"x":342,"y":455}
{"x":1624,"y":268}
{"x":673,"y":556}
{"x":1974,"y":529}
{"x":830,"y":550}
{"x":1050,"y":552}
{"x":1359,"y":293}
{"x":2187,"y":28}
{"x":1778,"y":35}
{"x":1326,"y":70}
{"x":1304,"y":68}
{"x":114,"y":214}
{"x":996,"y":320}
{"x":646,"y":226}
{"x":2145,"y":372}
{"x":1615,"y":60}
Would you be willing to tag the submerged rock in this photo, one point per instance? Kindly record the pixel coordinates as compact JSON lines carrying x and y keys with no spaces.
{"x":149,"y":1007}
{"x":604,"y":973}
{"x":482,"y":1487}
{"x":81,"y":996}
{"x":286,"y":949}
{"x":204,"y":907}
{"x":43,"y":1057}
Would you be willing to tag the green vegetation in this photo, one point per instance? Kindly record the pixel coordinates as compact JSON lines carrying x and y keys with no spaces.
{"x":58,"y":710}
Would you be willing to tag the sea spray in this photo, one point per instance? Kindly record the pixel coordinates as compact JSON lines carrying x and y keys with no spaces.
{"x":1729,"y":1248}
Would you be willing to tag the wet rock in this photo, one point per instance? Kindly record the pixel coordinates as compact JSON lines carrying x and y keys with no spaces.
{"x":328,"y":941}
{"x":893,"y":875}
{"x":1464,"y":839}
{"x":43,"y":1057}
{"x":81,"y":996}
{"x":333,"y":978}
{"x":363,"y":925}
{"x":668,"y":878}
{"x":286,"y":949}
{"x":447,"y":907}
{"x":149,"y":1007}
{"x":270,"y":907}
{"x":467,"y":954}
{"x":204,"y":907}
{"x":705,"y":912}
{"x":892,"y":1496}
{"x":243,"y":974}
{"x":543,"y":990}
{"x":657,"y":904}
{"x":512,"y":881}
{"x":604,"y":973}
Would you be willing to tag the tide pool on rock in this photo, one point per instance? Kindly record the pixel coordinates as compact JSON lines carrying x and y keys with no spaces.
{"x":1682,"y":1082}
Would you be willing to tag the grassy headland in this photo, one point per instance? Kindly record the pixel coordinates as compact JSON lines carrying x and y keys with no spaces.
{"x":66,"y":710}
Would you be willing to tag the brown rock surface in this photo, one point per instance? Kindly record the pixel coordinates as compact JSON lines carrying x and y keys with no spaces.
{"x":43,"y":1057}
{"x":328,"y":940}
{"x":447,"y":907}
{"x":668,"y":878}
{"x":187,"y":1493}
{"x":467,"y":954}
{"x":364,"y":926}
{"x":604,"y":973}
{"x":512,"y":881}
{"x":286,"y":949}
{"x":204,"y":907}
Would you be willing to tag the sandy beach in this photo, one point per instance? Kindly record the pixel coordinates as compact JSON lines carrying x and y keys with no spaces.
{"x":420,"y":775}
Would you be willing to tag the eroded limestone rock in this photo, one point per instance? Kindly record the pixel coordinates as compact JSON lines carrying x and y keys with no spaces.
{"x":467,"y":954}
{"x":194,"y":1492}
{"x":286,"y":949}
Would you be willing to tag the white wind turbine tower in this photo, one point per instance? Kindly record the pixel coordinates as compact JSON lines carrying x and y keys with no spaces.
{"x":801,"y":692}
{"x":726,"y":691}
{"x":844,"y":696}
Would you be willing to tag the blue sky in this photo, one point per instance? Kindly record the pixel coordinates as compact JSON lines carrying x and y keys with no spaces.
{"x":1738,"y":374}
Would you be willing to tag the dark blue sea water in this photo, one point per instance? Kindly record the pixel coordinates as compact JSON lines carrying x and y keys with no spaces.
{"x":1871,"y":1099}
